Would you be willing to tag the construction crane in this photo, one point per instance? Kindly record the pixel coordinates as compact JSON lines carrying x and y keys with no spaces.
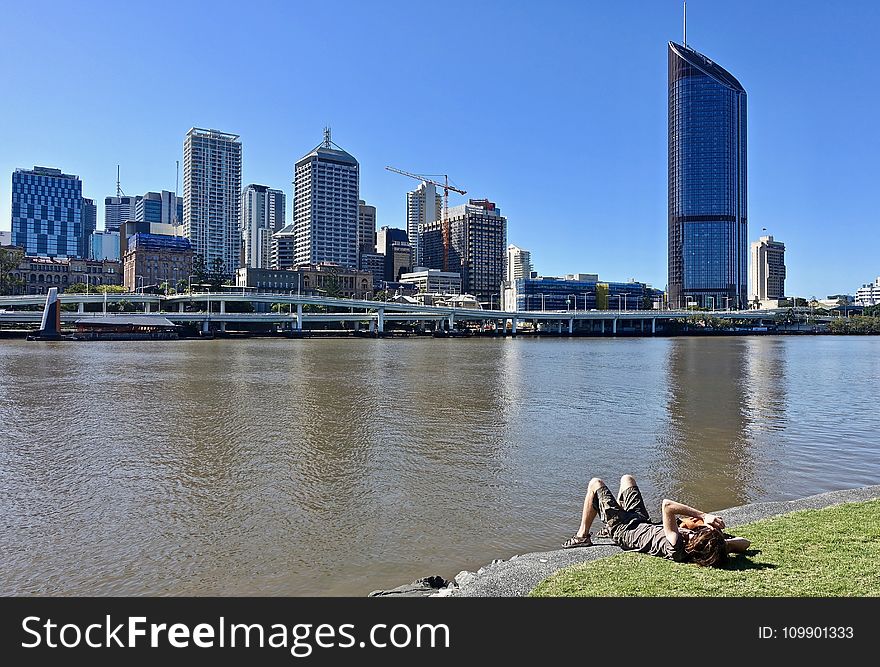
{"x":445,"y":220}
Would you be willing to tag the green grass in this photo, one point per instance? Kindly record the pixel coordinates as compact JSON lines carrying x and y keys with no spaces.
{"x":830,"y":552}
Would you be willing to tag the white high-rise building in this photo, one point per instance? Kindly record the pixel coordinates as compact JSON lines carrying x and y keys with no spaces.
{"x":419,"y":213}
{"x":868,"y":294}
{"x":325,"y":206}
{"x":262,"y":214}
{"x":519,"y":263}
{"x":118,"y":210}
{"x":212,"y":195}
{"x":767,"y":270}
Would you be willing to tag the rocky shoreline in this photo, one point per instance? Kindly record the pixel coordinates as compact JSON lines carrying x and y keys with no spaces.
{"x":519,"y":574}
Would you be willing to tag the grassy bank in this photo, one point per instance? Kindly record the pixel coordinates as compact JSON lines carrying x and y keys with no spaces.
{"x":833,"y":551}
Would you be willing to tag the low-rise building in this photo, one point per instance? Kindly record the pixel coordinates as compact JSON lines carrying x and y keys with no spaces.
{"x":433,"y":281}
{"x":104,"y":245}
{"x":38,"y":274}
{"x":552,"y":293}
{"x":152,"y":260}
{"x":309,"y":280}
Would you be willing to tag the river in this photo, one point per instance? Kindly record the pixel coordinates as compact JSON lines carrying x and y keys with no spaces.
{"x":334,"y":467}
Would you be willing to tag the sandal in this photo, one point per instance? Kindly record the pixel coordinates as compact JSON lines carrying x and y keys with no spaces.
{"x":604,"y":532}
{"x":575,"y":541}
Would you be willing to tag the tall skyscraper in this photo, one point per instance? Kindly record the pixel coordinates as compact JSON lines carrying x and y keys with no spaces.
{"x":262,"y":214}
{"x":519,"y":263}
{"x":118,"y":210}
{"x":366,"y":228}
{"x":708,"y":219}
{"x":325,"y":206}
{"x":477,"y":248}
{"x":212,"y":195}
{"x":768,"y":269}
{"x":162,"y":207}
{"x":90,"y":224}
{"x":423,"y":205}
{"x":284,"y":248}
{"x":47,"y":212}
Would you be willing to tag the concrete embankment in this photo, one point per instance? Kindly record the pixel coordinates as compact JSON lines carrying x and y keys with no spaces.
{"x":520,"y":574}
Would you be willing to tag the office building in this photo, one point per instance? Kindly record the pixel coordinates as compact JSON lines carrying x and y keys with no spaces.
{"x":519,"y":263}
{"x":90,"y":224}
{"x":768,"y":270}
{"x":284,"y":248}
{"x":118,"y":210}
{"x":708,"y":219}
{"x":307,"y":279}
{"x":132,"y":227}
{"x":47,"y":212}
{"x":262,"y":215}
{"x":152,"y":260}
{"x":552,"y":293}
{"x":325,"y":206}
{"x":374,"y":264}
{"x":163,"y":207}
{"x":104,"y":245}
{"x":423,"y":205}
{"x":477,"y":248}
{"x":398,"y":260}
{"x":366,"y":227}
{"x":433,"y":281}
{"x":212,"y":196}
{"x":5,"y":238}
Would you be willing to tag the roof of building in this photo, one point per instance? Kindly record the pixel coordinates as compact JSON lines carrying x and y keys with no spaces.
{"x":145,"y":241}
{"x":705,"y":65}
{"x":128,"y":320}
{"x":322,"y":152}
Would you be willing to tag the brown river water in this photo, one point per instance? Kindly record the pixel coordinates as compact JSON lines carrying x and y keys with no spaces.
{"x":335,"y":467}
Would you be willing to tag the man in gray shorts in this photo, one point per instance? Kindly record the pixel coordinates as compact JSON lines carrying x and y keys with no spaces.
{"x":627,"y":523}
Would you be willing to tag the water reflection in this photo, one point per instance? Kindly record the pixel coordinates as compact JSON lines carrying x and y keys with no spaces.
{"x":705,"y":456}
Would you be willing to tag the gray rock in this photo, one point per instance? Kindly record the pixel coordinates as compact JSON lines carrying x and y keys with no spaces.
{"x":424,"y":587}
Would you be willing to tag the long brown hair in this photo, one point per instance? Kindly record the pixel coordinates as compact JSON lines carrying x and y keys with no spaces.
{"x":706,"y":547}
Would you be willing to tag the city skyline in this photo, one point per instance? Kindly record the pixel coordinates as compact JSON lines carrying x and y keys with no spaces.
{"x":600,"y":207}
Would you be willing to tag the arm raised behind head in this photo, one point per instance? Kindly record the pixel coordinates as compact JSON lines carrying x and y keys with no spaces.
{"x":671,"y":509}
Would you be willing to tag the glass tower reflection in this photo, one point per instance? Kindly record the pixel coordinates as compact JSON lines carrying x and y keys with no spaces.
{"x":708,"y":220}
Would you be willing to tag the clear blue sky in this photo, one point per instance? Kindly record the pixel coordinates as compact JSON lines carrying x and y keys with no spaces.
{"x":554,"y":110}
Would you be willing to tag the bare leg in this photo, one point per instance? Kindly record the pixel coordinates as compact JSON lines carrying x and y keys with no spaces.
{"x":589,"y":513}
{"x":625,"y":482}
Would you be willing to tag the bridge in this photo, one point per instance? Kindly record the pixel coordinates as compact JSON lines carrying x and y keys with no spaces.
{"x":211,"y":311}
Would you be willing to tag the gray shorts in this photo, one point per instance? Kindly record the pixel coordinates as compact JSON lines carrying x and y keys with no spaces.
{"x":614,"y":512}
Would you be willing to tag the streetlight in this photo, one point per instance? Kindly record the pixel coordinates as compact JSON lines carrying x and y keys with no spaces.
{"x":618,"y":300}
{"x":576,"y":301}
{"x":136,"y":288}
{"x":713,"y":301}
{"x":727,"y":303}
{"x":542,"y":302}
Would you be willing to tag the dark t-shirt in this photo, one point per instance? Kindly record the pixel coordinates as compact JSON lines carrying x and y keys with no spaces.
{"x":647,"y":538}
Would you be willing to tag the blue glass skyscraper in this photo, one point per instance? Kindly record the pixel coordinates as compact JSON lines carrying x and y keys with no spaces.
{"x":708,"y":220}
{"x":47,"y":212}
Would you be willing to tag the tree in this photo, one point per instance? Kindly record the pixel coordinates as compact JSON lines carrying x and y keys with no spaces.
{"x":10,"y":258}
{"x":200,"y":271}
{"x":216,"y":275}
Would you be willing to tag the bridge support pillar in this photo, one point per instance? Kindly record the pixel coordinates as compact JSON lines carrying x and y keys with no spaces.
{"x":570,"y":326}
{"x":80,"y":307}
{"x":180,"y":307}
{"x":422,"y":326}
{"x":223,"y":326}
{"x":614,"y":327}
{"x":205,"y":327}
{"x":451,"y":321}
{"x":513,"y":326}
{"x":222,"y":306}
{"x":603,"y":327}
{"x":146,"y":306}
{"x":299,"y":317}
{"x":357,"y":326}
{"x":380,"y":320}
{"x":372,"y":327}
{"x":653,"y":325}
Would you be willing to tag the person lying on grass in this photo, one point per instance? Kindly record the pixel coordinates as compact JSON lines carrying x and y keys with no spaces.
{"x":696,"y":538}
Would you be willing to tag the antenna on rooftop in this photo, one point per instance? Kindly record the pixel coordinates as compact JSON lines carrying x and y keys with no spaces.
{"x":327,"y":141}
{"x":119,"y":192}
{"x":685,"y":21}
